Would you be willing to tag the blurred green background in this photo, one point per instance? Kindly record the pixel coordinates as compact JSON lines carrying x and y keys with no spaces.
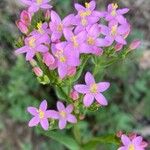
{"x":129,"y":96}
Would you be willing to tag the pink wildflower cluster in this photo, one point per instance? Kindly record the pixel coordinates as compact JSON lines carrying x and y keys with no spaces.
{"x":132,"y":142}
{"x":62,"y":41}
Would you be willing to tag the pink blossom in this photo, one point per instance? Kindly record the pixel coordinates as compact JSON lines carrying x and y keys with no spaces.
{"x":135,"y":44}
{"x":35,"y":5}
{"x":57,"y":26}
{"x":92,"y":90}
{"x":116,"y":15}
{"x":33,"y":45}
{"x":38,"y":71}
{"x":64,"y":115}
{"x":136,"y":143}
{"x":40,"y":115}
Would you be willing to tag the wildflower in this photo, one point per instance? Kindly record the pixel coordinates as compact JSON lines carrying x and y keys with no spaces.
{"x":57,"y":26}
{"x":87,"y":15}
{"x":92,"y":90}
{"x":135,"y":44}
{"x":116,"y":14}
{"x":25,"y":17}
{"x":74,"y":95}
{"x":93,"y":42}
{"x":65,"y":58}
{"x":74,"y":41}
{"x":136,"y":143}
{"x":115,"y":32}
{"x":35,"y":5}
{"x":64,"y":115}
{"x":33,"y":45}
{"x":38,"y":71}
{"x":41,"y":115}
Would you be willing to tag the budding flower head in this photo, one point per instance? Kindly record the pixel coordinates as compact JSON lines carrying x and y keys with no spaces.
{"x":135,"y":44}
{"x":74,"y":95}
{"x":22,"y":27}
{"x":38,"y":71}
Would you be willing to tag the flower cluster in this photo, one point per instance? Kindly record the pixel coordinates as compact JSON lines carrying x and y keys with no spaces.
{"x":61,"y":42}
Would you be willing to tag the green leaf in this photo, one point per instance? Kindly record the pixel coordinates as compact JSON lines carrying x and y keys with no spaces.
{"x":64,"y":139}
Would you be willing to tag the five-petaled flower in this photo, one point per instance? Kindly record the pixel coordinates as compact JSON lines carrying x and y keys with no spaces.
{"x":92,"y":90}
{"x":135,"y":143}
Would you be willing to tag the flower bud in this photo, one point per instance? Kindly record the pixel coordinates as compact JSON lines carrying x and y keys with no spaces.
{"x":118,"y":47}
{"x":74,"y":95}
{"x":81,"y":117}
{"x":38,"y":71}
{"x":25,"y":17}
{"x":135,"y":44}
{"x":47,"y":15}
{"x":22,"y":27}
{"x":33,"y":63}
{"x":119,"y":134}
{"x":71,"y":71}
{"x":48,"y":59}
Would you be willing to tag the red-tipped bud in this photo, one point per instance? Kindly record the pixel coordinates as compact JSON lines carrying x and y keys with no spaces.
{"x":25,"y":17}
{"x":118,"y":47}
{"x":38,"y":71}
{"x":47,"y":15}
{"x":135,"y":44}
{"x":74,"y":95}
{"x":22,"y":27}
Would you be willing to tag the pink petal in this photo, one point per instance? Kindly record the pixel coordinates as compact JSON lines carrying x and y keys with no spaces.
{"x":34,"y":122}
{"x":62,"y":70}
{"x":101,"y":99}
{"x":44,"y":123}
{"x":55,"y":17}
{"x":120,"y":40}
{"x":43,"y":105}
{"x":137,"y":140}
{"x":42,"y":48}
{"x":104,"y":29}
{"x":92,"y":5}
{"x":68,"y":20}
{"x":33,"y":8}
{"x":69,"y":108}
{"x":61,"y":46}
{"x":79,"y":7}
{"x":88,"y":100}
{"x":125,"y":140}
{"x":52,"y":114}
{"x":94,"y":30}
{"x":89,"y":79}
{"x":46,"y":6}
{"x":121,"y":19}
{"x":56,"y":36}
{"x":122,"y":148}
{"x":62,"y":124}
{"x":21,"y":50}
{"x":81,"y":37}
{"x":85,"y":48}
{"x":60,"y":106}
{"x":30,"y":55}
{"x":27,"y":2}
{"x":81,"y":88}
{"x":68,"y":34}
{"x":103,"y":86}
{"x":71,"y":118}
{"x":32,"y":110}
{"x":122,"y":11}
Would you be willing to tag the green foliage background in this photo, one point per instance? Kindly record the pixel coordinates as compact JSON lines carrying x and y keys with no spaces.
{"x":129,"y":96}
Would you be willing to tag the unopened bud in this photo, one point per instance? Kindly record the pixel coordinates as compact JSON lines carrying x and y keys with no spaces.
{"x":38,"y":71}
{"x":48,"y":59}
{"x":47,"y":15}
{"x":22,"y":27}
{"x":74,"y":95}
{"x":71,"y":71}
{"x":25,"y":17}
{"x":135,"y":44}
{"x":118,"y":47}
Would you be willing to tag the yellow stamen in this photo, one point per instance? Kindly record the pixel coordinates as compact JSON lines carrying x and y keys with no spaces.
{"x":115,"y":5}
{"x":32,"y":42}
{"x":63,"y":114}
{"x":113,"y":13}
{"x":60,"y":27}
{"x":131,"y":147}
{"x":41,"y":114}
{"x":74,"y":40}
{"x":87,"y":5}
{"x":94,"y":88}
{"x":39,"y":27}
{"x":83,"y":21}
{"x":39,"y":1}
{"x":60,"y":56}
{"x":114,"y":30}
{"x":90,"y":41}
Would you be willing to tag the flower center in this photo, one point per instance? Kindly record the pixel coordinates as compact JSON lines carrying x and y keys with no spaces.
{"x":113,"y":13}
{"x":41,"y":114}
{"x":39,"y":1}
{"x":59,"y":54}
{"x":83,"y":21}
{"x":131,"y":147}
{"x":87,"y":5}
{"x":60,"y":27}
{"x":32,"y":42}
{"x":63,"y":114}
{"x":114,"y":30}
{"x":39,"y":27}
{"x":74,"y":40}
{"x":90,"y":41}
{"x":94,"y":88}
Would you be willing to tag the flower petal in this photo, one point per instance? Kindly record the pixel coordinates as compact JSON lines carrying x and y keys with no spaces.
{"x":44,"y":123}
{"x":137,"y":140}
{"x":125,"y":140}
{"x":21,"y":50}
{"x":68,"y":34}
{"x":60,"y":106}
{"x":81,"y":88}
{"x":120,"y":40}
{"x":43,"y":105}
{"x":34,"y":122}
{"x":62,"y":124}
{"x":55,"y":17}
{"x":71,"y":118}
{"x":30,"y":55}
{"x":52,"y":114}
{"x":101,"y":99}
{"x":32,"y":110}
{"x":42,"y":48}
{"x":46,"y":6}
{"x":69,"y":108}
{"x":88,"y":100}
{"x":103,"y":86}
{"x":33,"y":8}
{"x":89,"y":79}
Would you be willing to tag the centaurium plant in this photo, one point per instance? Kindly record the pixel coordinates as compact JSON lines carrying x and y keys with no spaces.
{"x":59,"y":50}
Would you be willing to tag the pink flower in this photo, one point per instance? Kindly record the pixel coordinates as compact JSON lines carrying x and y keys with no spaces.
{"x":135,"y":44}
{"x":65,"y":58}
{"x":87,"y":15}
{"x":93,"y":42}
{"x":64,"y":115}
{"x":40,"y":115}
{"x":38,"y":71}
{"x":116,"y":15}
{"x":136,"y":143}
{"x":57,"y":26}
{"x":33,"y":44}
{"x":115,"y":33}
{"x":35,"y":5}
{"x":92,"y":90}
